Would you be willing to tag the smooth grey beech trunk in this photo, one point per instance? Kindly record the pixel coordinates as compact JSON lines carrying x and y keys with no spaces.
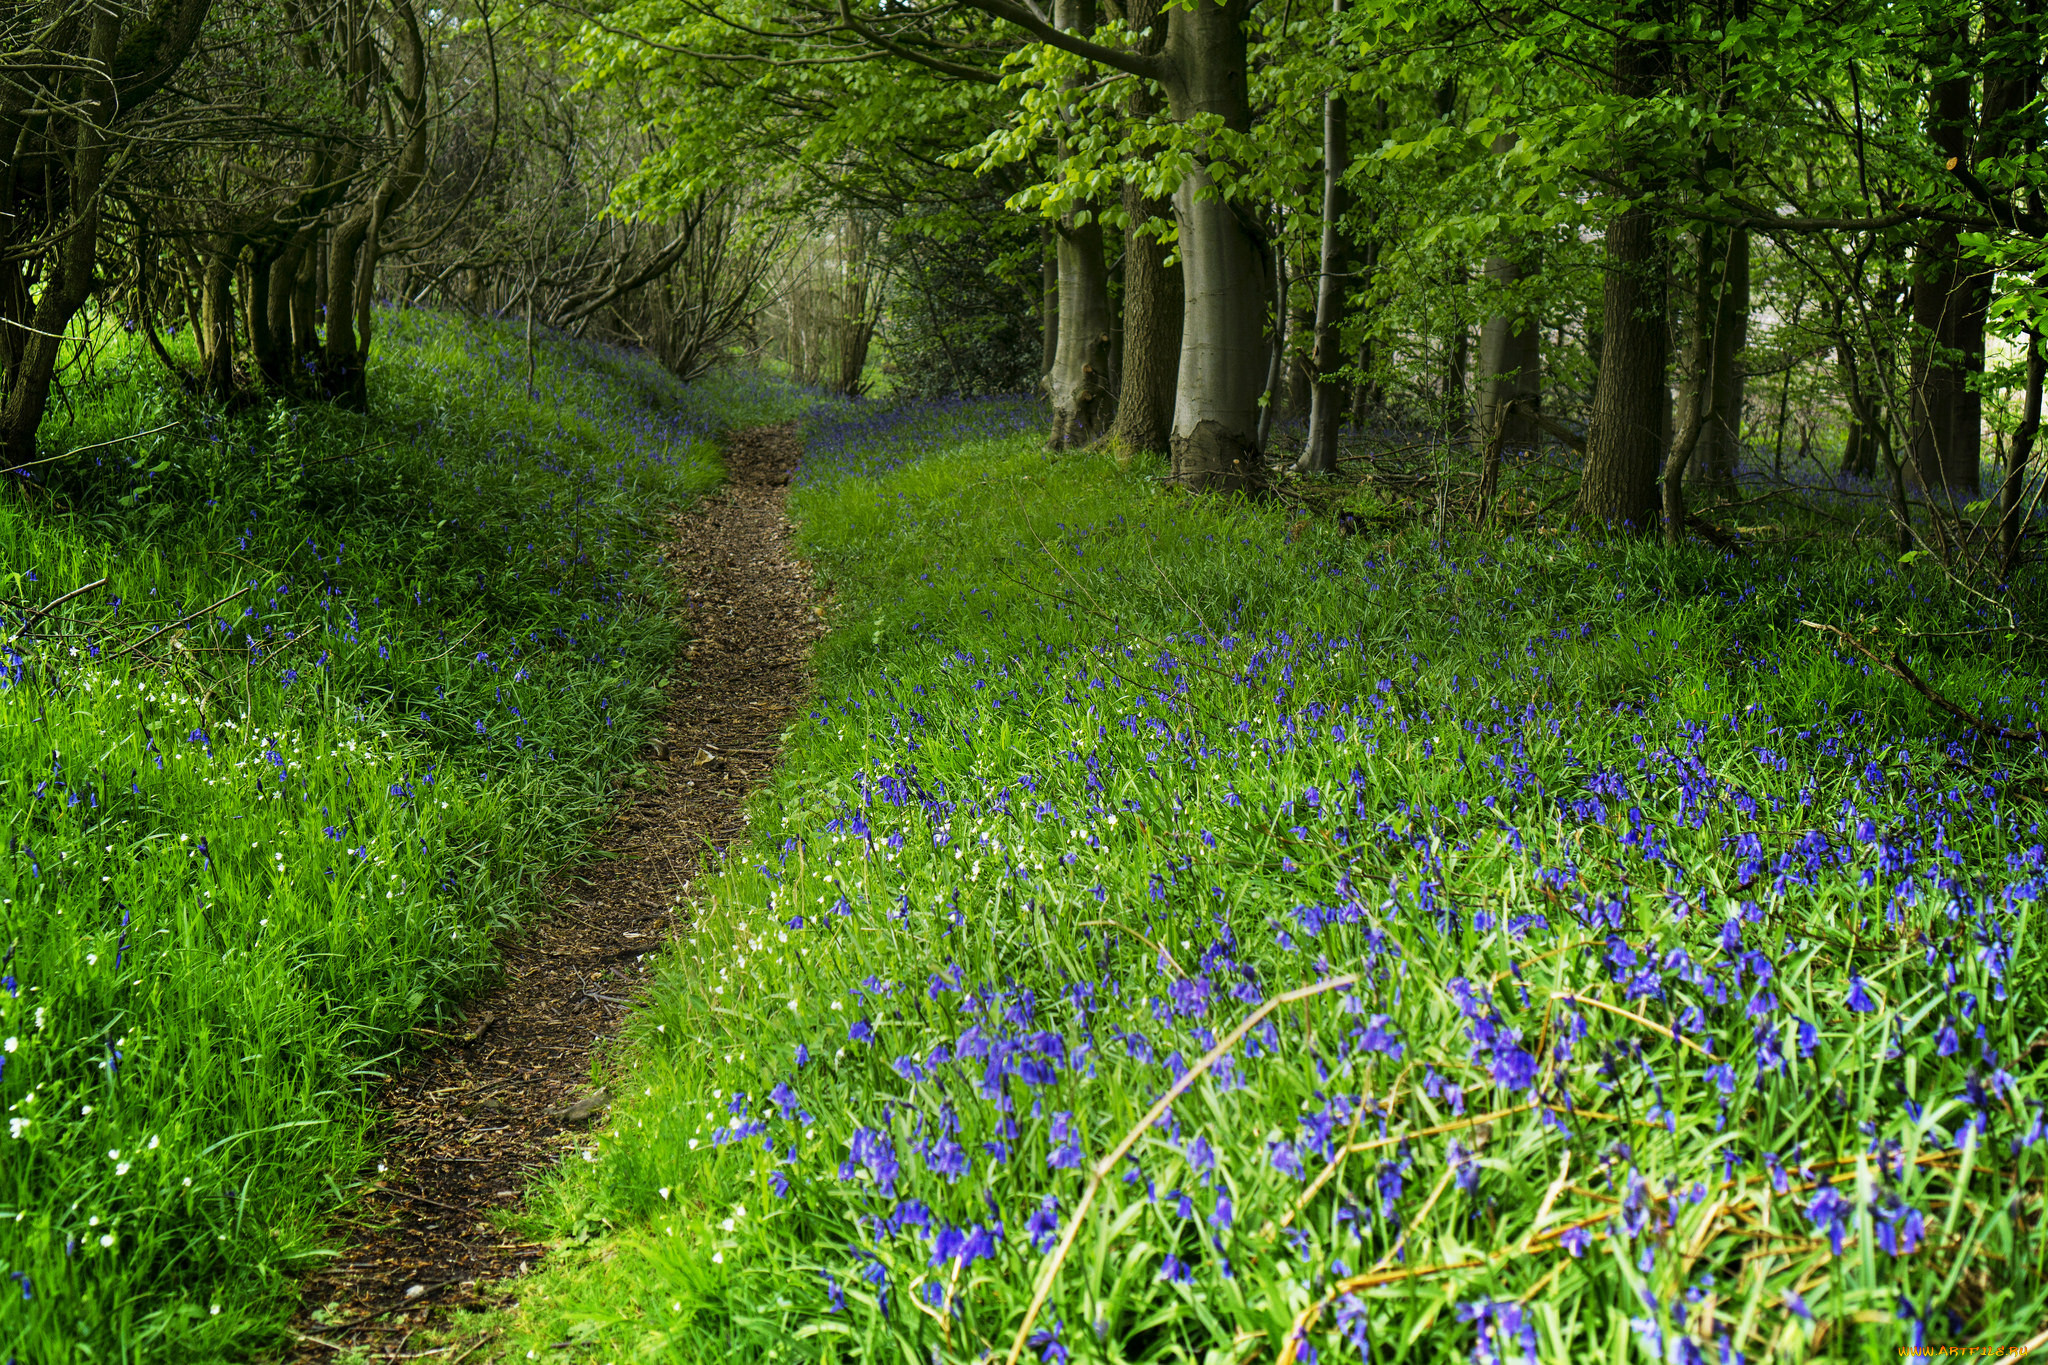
{"x":1326,"y":399}
{"x":1510,"y":365}
{"x":1223,"y":357}
{"x":1202,"y":68}
{"x":1079,"y":380}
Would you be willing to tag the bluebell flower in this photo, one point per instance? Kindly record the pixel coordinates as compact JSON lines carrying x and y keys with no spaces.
{"x":1513,"y":1069}
{"x":1046,"y":1341}
{"x":1043,"y":1226}
{"x":1830,"y":1212}
{"x":1859,"y":999}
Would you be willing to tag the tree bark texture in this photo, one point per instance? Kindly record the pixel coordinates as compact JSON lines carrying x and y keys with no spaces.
{"x":1948,"y":325}
{"x":352,"y":253}
{"x":1223,"y":359}
{"x":1152,"y":314}
{"x":1048,"y":302}
{"x":1510,"y":352}
{"x":1326,"y":400}
{"x":1722,"y":290}
{"x":1079,"y":381}
{"x":1625,"y":444}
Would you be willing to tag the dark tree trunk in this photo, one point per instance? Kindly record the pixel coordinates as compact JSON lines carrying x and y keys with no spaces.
{"x":1510,"y":354}
{"x":1326,"y":403}
{"x":1625,"y":444}
{"x":1948,"y":329}
{"x":216,"y":335}
{"x":1720,"y":447}
{"x":69,"y":282}
{"x":2013,"y":495}
{"x":1152,"y":312}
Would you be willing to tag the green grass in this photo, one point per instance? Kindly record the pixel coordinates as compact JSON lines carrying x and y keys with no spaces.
{"x":350,"y":687}
{"x":1618,"y":905}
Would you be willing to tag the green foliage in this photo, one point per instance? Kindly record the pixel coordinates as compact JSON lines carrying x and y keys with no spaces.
{"x":350,"y":685}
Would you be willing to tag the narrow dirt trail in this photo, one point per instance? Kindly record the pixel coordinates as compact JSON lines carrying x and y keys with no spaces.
{"x":472,"y":1119}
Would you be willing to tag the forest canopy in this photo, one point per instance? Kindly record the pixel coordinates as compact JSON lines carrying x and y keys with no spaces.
{"x":1666,"y":237}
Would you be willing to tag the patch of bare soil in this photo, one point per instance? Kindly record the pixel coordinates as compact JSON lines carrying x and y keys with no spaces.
{"x":483,"y":1108}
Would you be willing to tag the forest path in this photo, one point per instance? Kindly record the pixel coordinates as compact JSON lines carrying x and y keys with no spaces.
{"x":468,"y":1124}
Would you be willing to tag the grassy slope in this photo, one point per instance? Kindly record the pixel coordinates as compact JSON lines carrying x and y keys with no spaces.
{"x":1096,"y":770}
{"x":247,"y":855}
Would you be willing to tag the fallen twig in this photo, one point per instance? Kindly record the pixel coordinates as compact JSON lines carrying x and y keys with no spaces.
{"x":48,"y":607}
{"x":1903,"y":671}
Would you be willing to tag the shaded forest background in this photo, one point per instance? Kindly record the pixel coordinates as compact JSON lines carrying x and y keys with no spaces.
{"x":1701,"y":254}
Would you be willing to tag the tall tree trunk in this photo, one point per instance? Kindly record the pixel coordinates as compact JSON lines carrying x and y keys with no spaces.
{"x":1152,"y":288}
{"x":352,"y":256}
{"x":1079,"y":383}
{"x":1223,"y":269}
{"x":1326,"y":402}
{"x":1625,"y":444}
{"x":1946,"y":321}
{"x":1720,"y":447}
{"x":1510,"y":353}
{"x":1152,"y":312}
{"x":2013,"y":495}
{"x":1700,"y":377}
{"x":71,"y":270}
{"x":1048,"y":303}
{"x":1080,"y":369}
{"x":216,"y":335}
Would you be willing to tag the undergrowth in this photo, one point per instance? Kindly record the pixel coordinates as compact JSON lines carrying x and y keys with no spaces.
{"x":1275,"y":944}
{"x":295,"y":706}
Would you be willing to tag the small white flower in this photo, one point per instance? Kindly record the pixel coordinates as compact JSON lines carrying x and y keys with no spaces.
{"x":92,"y":959}
{"x":107,"y":1240}
{"x":121,"y":1169}
{"x":664,"y":1191}
{"x":152,"y":1143}
{"x":718,"y":1258}
{"x":726,"y":1226}
{"x":10,"y":1044}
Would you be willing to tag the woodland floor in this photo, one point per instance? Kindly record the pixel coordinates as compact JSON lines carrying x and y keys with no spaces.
{"x":477,"y":1114}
